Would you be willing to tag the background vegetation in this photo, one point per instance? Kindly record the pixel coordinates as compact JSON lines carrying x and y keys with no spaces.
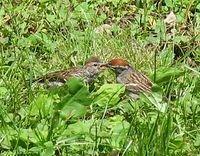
{"x":40,"y":36}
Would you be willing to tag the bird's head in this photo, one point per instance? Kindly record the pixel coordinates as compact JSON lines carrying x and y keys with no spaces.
{"x":94,"y":66}
{"x":118,"y":65}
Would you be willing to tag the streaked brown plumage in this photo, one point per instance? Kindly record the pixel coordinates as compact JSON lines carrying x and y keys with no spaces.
{"x":89,"y":72}
{"x":135,"y":81}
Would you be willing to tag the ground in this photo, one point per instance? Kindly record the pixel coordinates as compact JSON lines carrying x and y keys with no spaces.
{"x":158,"y":38}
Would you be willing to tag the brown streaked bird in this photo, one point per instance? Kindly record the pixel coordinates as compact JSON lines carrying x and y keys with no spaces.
{"x":88,"y":73}
{"x":134,"y":81}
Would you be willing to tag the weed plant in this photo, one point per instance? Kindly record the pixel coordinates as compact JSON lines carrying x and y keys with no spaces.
{"x":38,"y":37}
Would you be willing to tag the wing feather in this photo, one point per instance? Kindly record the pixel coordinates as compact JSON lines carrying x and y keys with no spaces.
{"x":138,"y":83}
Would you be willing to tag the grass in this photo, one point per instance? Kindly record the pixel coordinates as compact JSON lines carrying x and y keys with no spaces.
{"x":37,"y":37}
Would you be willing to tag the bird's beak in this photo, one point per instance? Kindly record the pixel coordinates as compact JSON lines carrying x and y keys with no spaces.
{"x":111,"y":67}
{"x":104,"y":65}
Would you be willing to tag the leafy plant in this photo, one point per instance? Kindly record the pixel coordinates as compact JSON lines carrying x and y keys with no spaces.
{"x":37,"y":37}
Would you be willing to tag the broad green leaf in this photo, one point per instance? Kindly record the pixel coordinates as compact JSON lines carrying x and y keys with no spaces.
{"x":156,"y":100}
{"x":36,"y":150}
{"x":72,"y":109}
{"x":8,"y":117}
{"x":28,"y":135}
{"x":48,"y":149}
{"x":7,"y":135}
{"x":34,"y":136}
{"x":42,"y":128}
{"x":75,"y":102}
{"x":165,"y":74}
{"x":42,"y":105}
{"x":6,"y":141}
{"x":79,"y":128}
{"x":75,"y":131}
{"x":116,"y":128}
{"x":108,"y":94}
{"x":74,"y":85}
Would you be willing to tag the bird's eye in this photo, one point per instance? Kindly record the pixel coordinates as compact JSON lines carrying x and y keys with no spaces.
{"x":95,"y":64}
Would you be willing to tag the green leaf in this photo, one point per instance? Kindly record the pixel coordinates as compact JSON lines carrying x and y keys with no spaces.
{"x":43,"y":105}
{"x":48,"y":149}
{"x":44,"y":1}
{"x":28,"y":135}
{"x":198,"y":6}
{"x":8,"y":117}
{"x":72,"y":109}
{"x":156,"y":100}
{"x":4,"y":40}
{"x":7,"y":135}
{"x":197,"y":141}
{"x":42,"y":128}
{"x":179,"y":39}
{"x":79,"y":128}
{"x":75,"y":102}
{"x":116,"y":128}
{"x":165,"y":74}
{"x":51,"y":18}
{"x":108,"y":94}
{"x":3,"y":91}
{"x":32,"y":39}
{"x":169,"y":3}
{"x":35,"y":150}
{"x":74,"y":85}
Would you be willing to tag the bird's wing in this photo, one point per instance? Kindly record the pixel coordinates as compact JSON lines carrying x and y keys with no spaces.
{"x":139,"y":83}
{"x":57,"y":76}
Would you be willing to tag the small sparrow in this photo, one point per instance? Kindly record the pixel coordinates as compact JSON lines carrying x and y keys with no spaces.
{"x":88,"y":73}
{"x":134,"y":81}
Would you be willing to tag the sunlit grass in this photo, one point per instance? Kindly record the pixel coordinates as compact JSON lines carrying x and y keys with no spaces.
{"x":37,"y":37}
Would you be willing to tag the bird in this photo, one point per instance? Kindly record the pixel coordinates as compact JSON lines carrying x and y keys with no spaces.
{"x":134,"y":81}
{"x":92,"y":68}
